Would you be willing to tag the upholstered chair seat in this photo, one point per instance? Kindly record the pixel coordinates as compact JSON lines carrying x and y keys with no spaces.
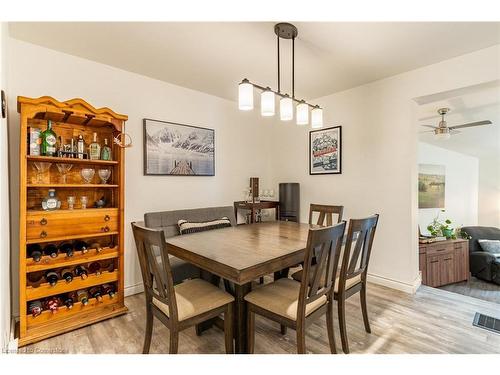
{"x":282,"y":298}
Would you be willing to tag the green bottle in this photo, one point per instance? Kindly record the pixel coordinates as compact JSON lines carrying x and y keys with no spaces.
{"x":49,"y":140}
{"x":106,"y":153}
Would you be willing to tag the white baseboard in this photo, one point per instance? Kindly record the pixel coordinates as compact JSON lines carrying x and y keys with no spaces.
{"x":394,"y":284}
{"x":133,"y":289}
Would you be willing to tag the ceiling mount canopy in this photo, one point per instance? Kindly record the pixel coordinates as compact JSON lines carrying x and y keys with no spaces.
{"x":285,"y":31}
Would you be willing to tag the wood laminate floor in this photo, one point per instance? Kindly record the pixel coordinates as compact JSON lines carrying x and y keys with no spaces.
{"x":476,"y":288}
{"x":431,"y":321}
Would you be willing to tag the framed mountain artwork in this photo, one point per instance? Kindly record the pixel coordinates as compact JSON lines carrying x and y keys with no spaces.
{"x":325,"y":151}
{"x":178,"y":150}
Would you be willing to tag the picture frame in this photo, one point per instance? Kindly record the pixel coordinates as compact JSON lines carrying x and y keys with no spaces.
{"x":174,"y":149}
{"x":325,"y":151}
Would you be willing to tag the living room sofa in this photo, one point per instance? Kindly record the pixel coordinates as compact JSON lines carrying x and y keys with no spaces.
{"x":483,"y":265}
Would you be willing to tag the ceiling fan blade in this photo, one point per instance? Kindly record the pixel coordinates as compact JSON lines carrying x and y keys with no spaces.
{"x":426,"y":131}
{"x":429,"y":126}
{"x":453,"y":132}
{"x":470,"y":124}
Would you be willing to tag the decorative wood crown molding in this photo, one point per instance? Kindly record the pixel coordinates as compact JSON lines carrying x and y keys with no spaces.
{"x":76,"y":104}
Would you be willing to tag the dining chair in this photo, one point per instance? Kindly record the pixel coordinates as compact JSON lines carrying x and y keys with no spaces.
{"x":325,"y":212}
{"x":297,"y":304}
{"x":183,"y":305}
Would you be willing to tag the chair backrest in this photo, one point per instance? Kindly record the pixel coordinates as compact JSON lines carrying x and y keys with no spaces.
{"x":323,"y":246}
{"x":358,"y":246}
{"x":157,"y":278}
{"x":325,"y":214}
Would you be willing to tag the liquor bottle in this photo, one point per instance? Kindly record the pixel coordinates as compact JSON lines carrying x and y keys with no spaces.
{"x":51,"y":202}
{"x":35,"y":252}
{"x":82,"y":246}
{"x":68,"y":301}
{"x":51,"y":276}
{"x":81,"y":271}
{"x":82,"y":296}
{"x":80,"y":147}
{"x":35,"y":279}
{"x":95,"y":149}
{"x":67,"y":274}
{"x":48,"y":147}
{"x":109,"y":289}
{"x":66,"y":248}
{"x":96,"y":246}
{"x":52,"y":304}
{"x":50,"y":250}
{"x":35,"y":308}
{"x":95,"y":292}
{"x":106,"y":153}
{"x":95,"y":267}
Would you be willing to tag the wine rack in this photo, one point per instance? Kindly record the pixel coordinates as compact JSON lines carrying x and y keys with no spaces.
{"x":100,"y":225}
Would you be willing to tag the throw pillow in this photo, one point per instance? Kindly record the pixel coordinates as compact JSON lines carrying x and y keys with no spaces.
{"x":186,"y":227}
{"x":490,"y":246}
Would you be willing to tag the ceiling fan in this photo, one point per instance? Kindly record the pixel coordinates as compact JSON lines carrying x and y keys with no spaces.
{"x":443,"y":131}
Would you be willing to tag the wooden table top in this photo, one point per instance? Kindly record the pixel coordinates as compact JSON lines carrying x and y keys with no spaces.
{"x":243,"y":253}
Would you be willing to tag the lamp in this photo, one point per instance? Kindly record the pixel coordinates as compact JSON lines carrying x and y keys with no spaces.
{"x":302,"y":113}
{"x":267,"y":103}
{"x":286,"y":108}
{"x":245,"y":95}
{"x":317,"y":117}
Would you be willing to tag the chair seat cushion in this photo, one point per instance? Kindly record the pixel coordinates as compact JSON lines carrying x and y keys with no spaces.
{"x":348,"y":284}
{"x":195,"y":297}
{"x":281,"y":297}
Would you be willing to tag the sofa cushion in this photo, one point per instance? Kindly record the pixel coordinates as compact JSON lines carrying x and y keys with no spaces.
{"x":186,"y":227}
{"x":481,"y":233}
{"x":490,"y":246}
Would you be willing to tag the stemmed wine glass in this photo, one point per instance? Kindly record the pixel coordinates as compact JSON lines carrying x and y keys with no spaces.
{"x":87,"y":174}
{"x":41,"y":168}
{"x":104,"y":174}
{"x":63,"y":170}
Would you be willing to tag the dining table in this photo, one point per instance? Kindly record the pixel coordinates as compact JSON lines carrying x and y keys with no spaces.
{"x":242,"y":254}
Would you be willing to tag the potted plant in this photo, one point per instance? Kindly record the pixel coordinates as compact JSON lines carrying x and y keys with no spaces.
{"x":440,"y":228}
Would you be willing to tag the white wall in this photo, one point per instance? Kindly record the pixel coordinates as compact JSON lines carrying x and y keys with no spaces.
{"x":241,"y":149}
{"x":4,"y":202}
{"x":379,"y":171}
{"x":489,"y":190}
{"x":461,"y":186}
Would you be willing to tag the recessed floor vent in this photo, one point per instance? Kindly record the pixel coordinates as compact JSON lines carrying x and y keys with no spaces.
{"x":487,"y":322}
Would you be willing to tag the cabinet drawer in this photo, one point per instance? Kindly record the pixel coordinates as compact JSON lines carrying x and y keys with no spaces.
{"x":54,"y":224}
{"x":440,"y":249}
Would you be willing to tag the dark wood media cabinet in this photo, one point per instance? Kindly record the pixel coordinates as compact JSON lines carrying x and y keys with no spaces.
{"x":444,"y":262}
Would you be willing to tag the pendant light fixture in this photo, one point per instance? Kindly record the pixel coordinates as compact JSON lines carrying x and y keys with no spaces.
{"x":268,"y":96}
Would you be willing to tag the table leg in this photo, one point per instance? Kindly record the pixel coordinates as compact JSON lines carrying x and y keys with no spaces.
{"x":240,"y":317}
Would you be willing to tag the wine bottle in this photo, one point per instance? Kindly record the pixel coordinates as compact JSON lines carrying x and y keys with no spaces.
{"x":106,"y":153}
{"x":52,"y":304}
{"x":95,"y":149}
{"x":109,"y":289}
{"x":80,"y":147}
{"x":67,"y":274}
{"x":35,"y":252}
{"x":82,"y":246}
{"x":66,"y":248}
{"x":95,"y":267}
{"x":35,"y":279}
{"x":81,"y":271}
{"x":82,"y":296}
{"x":50,"y":250}
{"x":96,"y":246}
{"x":68,"y":301}
{"x":95,"y":292}
{"x":107,"y":266}
{"x":35,"y":308}
{"x":52,"y":277}
{"x":49,"y":139}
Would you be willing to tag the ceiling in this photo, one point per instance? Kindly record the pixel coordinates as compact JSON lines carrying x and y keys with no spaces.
{"x":215,"y":57}
{"x":481,"y":102}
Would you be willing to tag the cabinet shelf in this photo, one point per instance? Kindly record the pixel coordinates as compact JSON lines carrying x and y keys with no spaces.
{"x":62,"y":260}
{"x":71,"y":186}
{"x":46,"y":290}
{"x":54,"y":159}
{"x":75,"y":237}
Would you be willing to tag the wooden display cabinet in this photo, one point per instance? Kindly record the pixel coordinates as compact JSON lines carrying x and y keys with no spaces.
{"x":98,"y":226}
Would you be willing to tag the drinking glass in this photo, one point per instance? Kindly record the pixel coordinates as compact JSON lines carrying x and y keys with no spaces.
{"x":71,"y":202}
{"x":87,"y":174}
{"x":84,"y":201}
{"x":63,"y":170}
{"x":41,"y":169}
{"x":271,"y":193}
{"x":104,"y":174}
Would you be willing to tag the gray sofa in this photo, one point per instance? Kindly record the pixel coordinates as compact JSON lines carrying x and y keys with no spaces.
{"x":167,"y":221}
{"x":483,"y":265}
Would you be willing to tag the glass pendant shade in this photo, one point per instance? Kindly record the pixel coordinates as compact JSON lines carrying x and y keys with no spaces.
{"x":245,"y":96}
{"x":286,"y":109}
{"x":267,"y":103}
{"x":317,"y":118}
{"x":443,"y":136}
{"x":302,"y":114}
